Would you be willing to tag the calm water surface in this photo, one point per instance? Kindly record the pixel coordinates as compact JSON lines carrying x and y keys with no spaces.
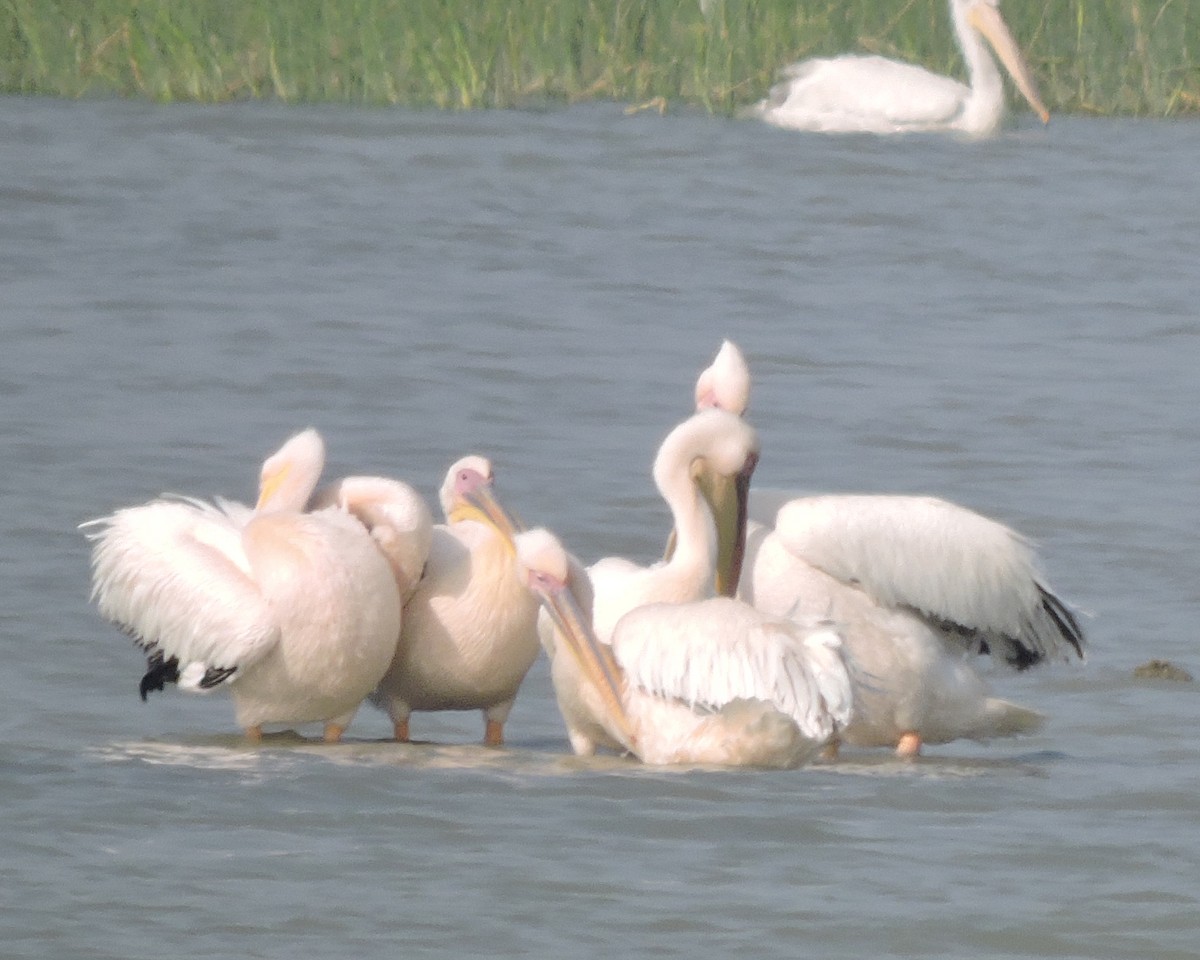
{"x":1012,"y":324}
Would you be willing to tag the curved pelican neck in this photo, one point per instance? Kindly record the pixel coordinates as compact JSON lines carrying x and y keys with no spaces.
{"x":695,"y":530}
{"x":290,"y":475}
{"x":985,"y":101}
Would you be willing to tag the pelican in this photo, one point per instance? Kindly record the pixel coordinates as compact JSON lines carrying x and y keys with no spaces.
{"x":469,"y":634}
{"x":915,"y":585}
{"x":871,"y":94}
{"x":297,"y":614}
{"x":712,"y":440}
{"x":707,"y":682}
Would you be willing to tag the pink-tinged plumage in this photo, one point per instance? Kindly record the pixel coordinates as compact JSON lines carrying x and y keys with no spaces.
{"x":915,"y":585}
{"x":871,"y":94}
{"x":396,"y":516}
{"x":725,"y":383}
{"x":711,"y":440}
{"x":296,"y":613}
{"x":469,"y":634}
{"x":706,"y":682}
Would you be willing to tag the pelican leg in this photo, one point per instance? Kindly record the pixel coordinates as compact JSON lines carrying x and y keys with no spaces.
{"x":909,"y":745}
{"x":401,"y":730}
{"x":333,"y":732}
{"x":493,"y":733}
{"x":254,"y":734}
{"x":831,"y":750}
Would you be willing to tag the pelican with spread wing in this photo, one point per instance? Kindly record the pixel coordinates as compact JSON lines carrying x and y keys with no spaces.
{"x":296,"y":613}
{"x":915,"y":585}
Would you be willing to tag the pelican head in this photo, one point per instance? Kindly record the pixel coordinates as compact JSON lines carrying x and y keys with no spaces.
{"x":724,"y":455}
{"x":983,"y":16}
{"x":291,"y":473}
{"x":722,"y":474}
{"x":466,"y":494}
{"x":543,"y":566}
{"x":725,"y":383}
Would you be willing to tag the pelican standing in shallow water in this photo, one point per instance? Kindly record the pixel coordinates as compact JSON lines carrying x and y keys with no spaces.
{"x":708,"y":682}
{"x":914,"y":584}
{"x":469,"y":634}
{"x":710,"y":441}
{"x":296,"y":613}
{"x":871,"y":94}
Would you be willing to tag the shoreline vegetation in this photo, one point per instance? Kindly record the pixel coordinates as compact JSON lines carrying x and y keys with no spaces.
{"x":1105,"y":57}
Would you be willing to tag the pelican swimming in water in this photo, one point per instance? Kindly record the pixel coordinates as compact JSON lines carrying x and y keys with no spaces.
{"x":706,"y":682}
{"x":469,"y":634}
{"x":297,"y":614}
{"x":914,"y":584}
{"x":872,"y":94}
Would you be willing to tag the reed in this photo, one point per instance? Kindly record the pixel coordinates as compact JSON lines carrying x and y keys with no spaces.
{"x":1131,"y":57}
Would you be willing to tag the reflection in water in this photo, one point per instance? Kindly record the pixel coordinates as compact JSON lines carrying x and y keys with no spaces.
{"x":281,"y":752}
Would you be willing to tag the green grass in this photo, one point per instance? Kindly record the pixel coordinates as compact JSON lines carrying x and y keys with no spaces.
{"x":1131,"y":57}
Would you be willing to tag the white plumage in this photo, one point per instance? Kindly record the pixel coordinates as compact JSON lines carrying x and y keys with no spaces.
{"x":296,"y":613}
{"x":709,"y":682}
{"x":713,"y":442}
{"x":178,"y":569}
{"x":725,"y":383}
{"x":872,"y":94}
{"x":396,"y":516}
{"x":965,"y":572}
{"x":711,"y":652}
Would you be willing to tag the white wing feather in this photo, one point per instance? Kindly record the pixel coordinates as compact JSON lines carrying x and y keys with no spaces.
{"x":866,"y":93}
{"x":173,"y":574}
{"x":954,"y":565}
{"x":710,"y":653}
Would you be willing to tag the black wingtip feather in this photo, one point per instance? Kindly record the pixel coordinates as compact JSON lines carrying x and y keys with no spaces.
{"x":214,"y":676}
{"x":1068,"y":626}
{"x":1021,"y":657}
{"x":159,"y":672}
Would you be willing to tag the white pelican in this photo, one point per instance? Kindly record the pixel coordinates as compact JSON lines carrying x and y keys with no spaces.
{"x":296,"y":613}
{"x":469,"y":634}
{"x":915,"y":584}
{"x":711,"y":682}
{"x":712,"y":440}
{"x":871,"y":94}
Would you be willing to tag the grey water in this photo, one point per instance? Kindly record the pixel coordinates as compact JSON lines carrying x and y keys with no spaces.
{"x":1013,"y":324}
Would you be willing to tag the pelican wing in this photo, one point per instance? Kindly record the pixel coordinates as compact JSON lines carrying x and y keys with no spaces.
{"x":710,"y":653}
{"x":174,"y":576}
{"x":867,"y":93}
{"x":974,"y":578}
